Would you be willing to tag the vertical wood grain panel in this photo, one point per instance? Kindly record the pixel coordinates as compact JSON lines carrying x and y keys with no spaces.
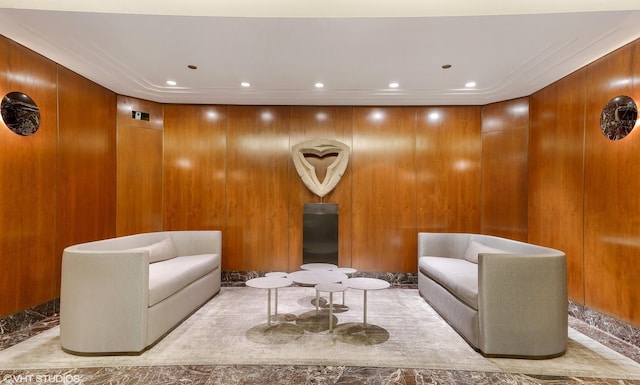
{"x":139,"y":170}
{"x":28,"y":188}
{"x":556,"y":173}
{"x":194,"y":167}
{"x":257,"y":193}
{"x":128,"y":104}
{"x":384,"y":189}
{"x":448,"y":164}
{"x":611,"y":203}
{"x":320,"y":123}
{"x":505,"y":128}
{"x":86,"y":161}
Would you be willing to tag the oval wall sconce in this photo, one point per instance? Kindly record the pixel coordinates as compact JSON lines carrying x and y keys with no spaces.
{"x":618,"y":117}
{"x":20,"y":113}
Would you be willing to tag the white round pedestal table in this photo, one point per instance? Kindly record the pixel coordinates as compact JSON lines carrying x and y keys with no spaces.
{"x":269,"y":283}
{"x":314,"y":277}
{"x":365,"y":284}
{"x":276,"y":274}
{"x":318,"y":266}
{"x":345,"y":270}
{"x":330,"y":288}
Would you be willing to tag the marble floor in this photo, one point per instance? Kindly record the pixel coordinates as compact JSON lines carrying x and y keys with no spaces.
{"x":291,"y":374}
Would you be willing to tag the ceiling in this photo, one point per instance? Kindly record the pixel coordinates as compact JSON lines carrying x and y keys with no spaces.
{"x":356,"y":48}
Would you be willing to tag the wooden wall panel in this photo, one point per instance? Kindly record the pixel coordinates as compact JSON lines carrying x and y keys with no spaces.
{"x":505,"y":128}
{"x":28,"y":189}
{"x":556,"y":173}
{"x":86,"y":161}
{"x":257,"y":193}
{"x":320,"y":123}
{"x":139,"y":169}
{"x":448,"y":164}
{"x":384,"y":189}
{"x":194,"y":167}
{"x":128,"y":104}
{"x":611,"y":204}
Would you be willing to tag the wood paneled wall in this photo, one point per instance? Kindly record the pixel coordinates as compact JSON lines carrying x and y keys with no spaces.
{"x":139,"y":167}
{"x":611,"y":185}
{"x":448,"y":164}
{"x":194,"y":167}
{"x":86,"y":161}
{"x":583,"y":187}
{"x":556,"y":173}
{"x":28,"y":187}
{"x":505,"y":130}
{"x":257,"y":189}
{"x":384,"y":189}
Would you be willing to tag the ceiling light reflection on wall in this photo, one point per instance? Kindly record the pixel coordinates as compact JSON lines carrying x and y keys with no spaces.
{"x":171,"y":82}
{"x":470,"y":84}
{"x":245,"y":84}
{"x":434,"y":116}
{"x":377,"y":116}
{"x":394,"y":85}
{"x":266,"y":116}
{"x":319,"y":85}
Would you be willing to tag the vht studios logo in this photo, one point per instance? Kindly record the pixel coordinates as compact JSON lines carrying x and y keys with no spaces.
{"x":42,"y":379}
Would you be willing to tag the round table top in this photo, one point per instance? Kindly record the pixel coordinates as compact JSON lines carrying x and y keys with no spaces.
{"x":268,"y":282}
{"x":318,"y":266}
{"x":331,"y":287}
{"x":367,"y":283}
{"x":345,"y":270}
{"x":314,"y":277}
{"x":276,"y":274}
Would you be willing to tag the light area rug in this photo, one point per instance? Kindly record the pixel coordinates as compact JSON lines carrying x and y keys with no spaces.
{"x":227,"y":331}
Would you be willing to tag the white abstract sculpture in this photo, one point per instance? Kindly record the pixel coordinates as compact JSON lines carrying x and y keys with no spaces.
{"x":306,"y":171}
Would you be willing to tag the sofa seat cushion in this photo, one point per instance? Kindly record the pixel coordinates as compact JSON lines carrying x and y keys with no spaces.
{"x":458,"y":276}
{"x":168,"y":277}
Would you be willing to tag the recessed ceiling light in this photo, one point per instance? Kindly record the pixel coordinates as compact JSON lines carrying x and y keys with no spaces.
{"x":245,"y":84}
{"x":319,"y":85}
{"x":470,"y":84}
{"x":446,"y":66}
{"x":192,"y":67}
{"x":171,"y":82}
{"x":394,"y":85}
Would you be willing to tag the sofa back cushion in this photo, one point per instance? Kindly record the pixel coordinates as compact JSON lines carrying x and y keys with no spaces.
{"x":160,"y":251}
{"x":474,"y":247}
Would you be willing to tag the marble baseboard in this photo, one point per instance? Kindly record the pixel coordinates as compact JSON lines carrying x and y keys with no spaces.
{"x":26,"y":318}
{"x":619,"y":329}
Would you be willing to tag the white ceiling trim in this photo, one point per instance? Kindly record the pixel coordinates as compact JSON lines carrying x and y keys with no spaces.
{"x":325,"y":8}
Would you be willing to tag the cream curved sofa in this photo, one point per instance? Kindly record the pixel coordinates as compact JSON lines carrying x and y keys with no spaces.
{"x":505,"y":298}
{"x":121,"y":295}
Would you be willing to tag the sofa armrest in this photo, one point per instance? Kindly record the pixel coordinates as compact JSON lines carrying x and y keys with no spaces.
{"x":522,"y":301}
{"x":449,"y":245}
{"x":103,"y":300}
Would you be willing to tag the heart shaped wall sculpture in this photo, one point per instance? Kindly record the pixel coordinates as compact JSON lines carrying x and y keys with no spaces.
{"x":320,"y":148}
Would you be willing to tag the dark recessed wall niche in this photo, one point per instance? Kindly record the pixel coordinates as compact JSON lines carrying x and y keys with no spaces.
{"x":20,"y":113}
{"x":618,"y":117}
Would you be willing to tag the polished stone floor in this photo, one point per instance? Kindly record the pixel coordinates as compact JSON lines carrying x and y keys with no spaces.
{"x":289,"y":374}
